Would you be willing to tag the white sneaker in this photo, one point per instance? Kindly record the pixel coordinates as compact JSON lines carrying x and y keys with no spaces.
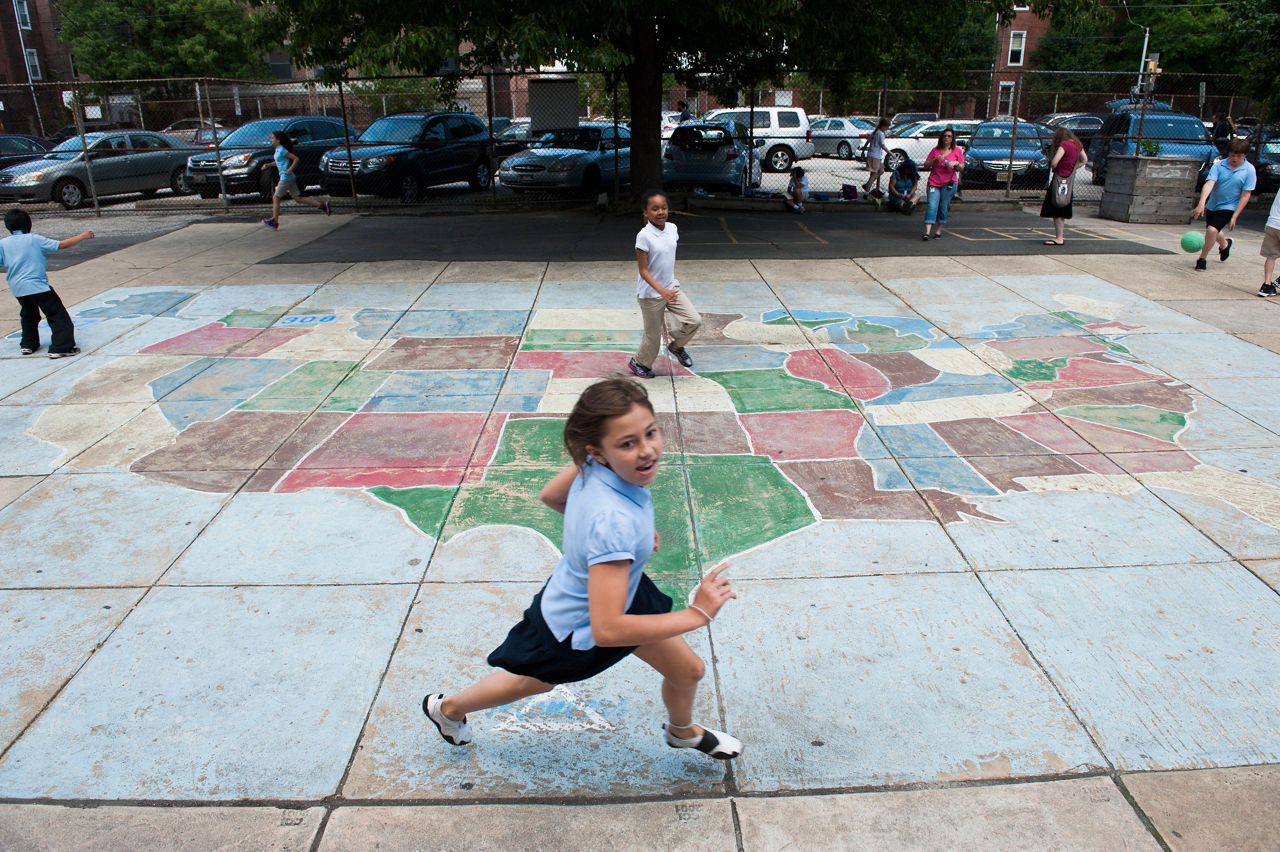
{"x":715,"y":744}
{"x":454,"y":733}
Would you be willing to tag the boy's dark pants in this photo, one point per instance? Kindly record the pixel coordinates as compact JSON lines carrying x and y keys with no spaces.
{"x":60,"y":325}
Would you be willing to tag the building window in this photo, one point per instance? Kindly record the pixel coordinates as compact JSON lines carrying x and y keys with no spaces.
{"x":23,"y":14}
{"x":1004,"y":99}
{"x":1017,"y":41}
{"x":33,"y":65}
{"x":1018,"y":8}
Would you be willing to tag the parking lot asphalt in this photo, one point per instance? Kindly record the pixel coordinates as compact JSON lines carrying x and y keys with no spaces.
{"x":577,"y":235}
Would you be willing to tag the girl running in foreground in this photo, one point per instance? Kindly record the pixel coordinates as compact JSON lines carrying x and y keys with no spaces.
{"x":599,"y":605}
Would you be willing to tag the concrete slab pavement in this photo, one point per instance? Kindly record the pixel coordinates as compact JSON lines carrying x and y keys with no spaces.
{"x":1003,"y":526}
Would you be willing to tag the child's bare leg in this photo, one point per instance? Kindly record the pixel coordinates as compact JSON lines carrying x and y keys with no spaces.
{"x":1210,"y":239}
{"x":309,"y":201}
{"x":1268,"y":267}
{"x":681,"y":669}
{"x":493,"y":690}
{"x":275,"y":207}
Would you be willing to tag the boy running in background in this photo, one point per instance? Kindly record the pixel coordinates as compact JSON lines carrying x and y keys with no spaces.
{"x":22,"y":254}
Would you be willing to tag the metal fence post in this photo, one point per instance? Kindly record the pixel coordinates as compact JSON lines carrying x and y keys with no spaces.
{"x":217,"y":152}
{"x":617,"y":140}
{"x":1013,"y":137}
{"x":346,"y":135}
{"x":84,"y":145}
{"x":489,"y":107}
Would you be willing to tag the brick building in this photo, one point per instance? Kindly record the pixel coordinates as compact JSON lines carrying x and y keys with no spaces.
{"x":32,"y":62}
{"x":1014,"y":46}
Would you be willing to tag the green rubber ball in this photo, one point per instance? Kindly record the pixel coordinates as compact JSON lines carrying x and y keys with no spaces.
{"x":1192,"y":241}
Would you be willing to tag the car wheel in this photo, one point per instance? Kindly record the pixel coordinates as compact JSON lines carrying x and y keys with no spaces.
{"x":410,"y":188}
{"x":894,"y":159}
{"x":844,"y":151}
{"x":778,"y":159}
{"x":178,"y":182}
{"x":267,"y":182}
{"x":207,"y":192}
{"x":591,"y":181}
{"x":481,"y":176}
{"x":69,"y":193}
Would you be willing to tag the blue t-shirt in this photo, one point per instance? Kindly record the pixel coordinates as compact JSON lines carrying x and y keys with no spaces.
{"x":282,"y":163}
{"x":1230,"y":184}
{"x":22,"y":256}
{"x":606,"y":519}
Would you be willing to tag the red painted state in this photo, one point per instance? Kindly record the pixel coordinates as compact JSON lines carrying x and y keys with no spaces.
{"x":217,"y":339}
{"x":1049,"y":431}
{"x":1092,"y":373}
{"x":486,"y":447}
{"x":835,"y":367}
{"x":1170,"y":462}
{"x":416,"y":440}
{"x":584,"y":365}
{"x":790,"y":436}
{"x":300,"y":480}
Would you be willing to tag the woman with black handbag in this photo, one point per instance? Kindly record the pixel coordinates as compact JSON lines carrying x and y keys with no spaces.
{"x":1066,"y":155}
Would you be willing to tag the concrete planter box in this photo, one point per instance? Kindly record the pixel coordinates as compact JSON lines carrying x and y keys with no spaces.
{"x":1153,"y":190}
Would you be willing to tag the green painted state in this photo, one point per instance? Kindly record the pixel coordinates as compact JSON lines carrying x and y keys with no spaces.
{"x":241,"y":318}
{"x":354,"y":391}
{"x":776,"y":390}
{"x":537,"y":441}
{"x":571,"y":339}
{"x":303,"y":389}
{"x":818,"y":323}
{"x":1144,"y":419}
{"x":1035,"y":370}
{"x":739,"y":504}
{"x":883,"y":338}
{"x":425,"y":506}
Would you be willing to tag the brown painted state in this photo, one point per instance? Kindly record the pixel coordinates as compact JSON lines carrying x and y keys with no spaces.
{"x":1170,"y":395}
{"x":846,"y":489}
{"x":448,"y":353}
{"x":983,"y":436}
{"x":393,"y":441}
{"x":901,"y":368}
{"x":238,"y":441}
{"x":210,"y":481}
{"x":1002,"y":471}
{"x":704,"y":433}
{"x":311,"y":434}
{"x":1046,"y":348}
{"x":712,"y":330}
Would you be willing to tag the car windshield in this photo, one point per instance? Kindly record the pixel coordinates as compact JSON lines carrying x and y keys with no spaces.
{"x":904,"y":129}
{"x":392,"y":131}
{"x":586,"y":138}
{"x":255,"y":135}
{"x":1270,"y":148}
{"x":1164,"y":127}
{"x":1026,"y":132}
{"x":702,"y":136}
{"x":68,"y":150}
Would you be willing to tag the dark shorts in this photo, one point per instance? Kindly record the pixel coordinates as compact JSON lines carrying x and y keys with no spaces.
{"x":531,"y":649}
{"x":1219,"y":219}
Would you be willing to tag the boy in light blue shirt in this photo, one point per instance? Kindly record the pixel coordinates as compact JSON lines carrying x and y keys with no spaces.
{"x":22,"y":254}
{"x":1225,"y":195}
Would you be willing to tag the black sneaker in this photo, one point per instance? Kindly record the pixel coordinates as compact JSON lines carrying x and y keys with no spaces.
{"x":1267,"y":290}
{"x":640,"y":370}
{"x":1201,"y":265}
{"x":271,"y":223}
{"x":681,"y":355}
{"x":925,"y":238}
{"x":1224,"y":253}
{"x":67,"y":354}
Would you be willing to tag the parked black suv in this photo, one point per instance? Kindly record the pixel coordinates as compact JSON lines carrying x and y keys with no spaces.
{"x":247,"y":155}
{"x":400,"y":155}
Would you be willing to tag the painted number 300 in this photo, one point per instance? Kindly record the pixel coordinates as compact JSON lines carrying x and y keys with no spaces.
{"x":310,"y":318}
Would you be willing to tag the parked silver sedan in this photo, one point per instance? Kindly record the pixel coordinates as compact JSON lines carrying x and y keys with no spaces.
{"x":581,"y":158}
{"x":122,"y":162}
{"x":840,"y":137}
{"x":715,"y":154}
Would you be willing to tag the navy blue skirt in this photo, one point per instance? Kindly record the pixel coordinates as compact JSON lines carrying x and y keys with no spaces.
{"x":532,"y":650}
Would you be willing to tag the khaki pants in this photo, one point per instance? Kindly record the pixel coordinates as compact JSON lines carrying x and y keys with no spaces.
{"x":655,"y":314}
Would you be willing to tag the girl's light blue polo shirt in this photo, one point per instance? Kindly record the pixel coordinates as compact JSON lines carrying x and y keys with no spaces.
{"x":22,"y":256}
{"x":607,"y":519}
{"x":281,"y":157}
{"x":1230,"y":184}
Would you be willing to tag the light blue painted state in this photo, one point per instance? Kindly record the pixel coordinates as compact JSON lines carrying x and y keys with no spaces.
{"x":848,"y":548}
{"x":884,"y":680}
{"x":1171,"y":667}
{"x":219,"y":694}
{"x":945,"y":386}
{"x":454,"y":323}
{"x":477,"y":295}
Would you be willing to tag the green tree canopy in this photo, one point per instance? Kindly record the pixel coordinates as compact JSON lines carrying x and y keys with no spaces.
{"x":736,"y":44}
{"x":132,"y":39}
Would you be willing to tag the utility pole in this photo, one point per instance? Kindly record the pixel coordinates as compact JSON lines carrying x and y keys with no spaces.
{"x":22,"y":45}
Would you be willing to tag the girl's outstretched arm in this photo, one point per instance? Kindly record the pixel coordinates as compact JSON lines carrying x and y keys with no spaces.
{"x":613,"y":627}
{"x":556,"y":492}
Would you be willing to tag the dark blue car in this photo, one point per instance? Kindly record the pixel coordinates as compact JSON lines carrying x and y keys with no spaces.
{"x":988,"y":159}
{"x":1174,"y":134}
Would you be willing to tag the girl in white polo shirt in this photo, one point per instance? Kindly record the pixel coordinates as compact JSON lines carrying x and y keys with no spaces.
{"x":658,"y":290}
{"x":599,"y":606}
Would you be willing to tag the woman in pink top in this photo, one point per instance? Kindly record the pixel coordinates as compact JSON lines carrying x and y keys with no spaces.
{"x":1066,"y":155}
{"x":944,"y":164}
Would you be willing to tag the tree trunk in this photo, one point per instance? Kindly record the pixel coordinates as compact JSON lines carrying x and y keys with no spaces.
{"x":644,"y":81}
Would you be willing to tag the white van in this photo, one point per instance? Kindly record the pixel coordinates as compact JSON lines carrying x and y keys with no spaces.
{"x":786,"y":130}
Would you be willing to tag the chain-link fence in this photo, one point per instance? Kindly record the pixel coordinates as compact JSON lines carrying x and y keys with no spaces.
{"x":500,"y":139}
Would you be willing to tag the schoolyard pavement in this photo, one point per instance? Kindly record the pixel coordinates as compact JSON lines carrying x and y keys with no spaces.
{"x":1005,"y":531}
